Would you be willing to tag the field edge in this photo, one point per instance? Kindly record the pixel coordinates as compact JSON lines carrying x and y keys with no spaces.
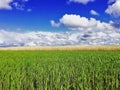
{"x":62,"y":48}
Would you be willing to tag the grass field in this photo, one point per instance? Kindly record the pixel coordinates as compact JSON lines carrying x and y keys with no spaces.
{"x":59,"y":70}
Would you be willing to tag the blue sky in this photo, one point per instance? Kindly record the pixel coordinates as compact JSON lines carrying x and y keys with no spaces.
{"x":59,"y":16}
{"x":42,"y":11}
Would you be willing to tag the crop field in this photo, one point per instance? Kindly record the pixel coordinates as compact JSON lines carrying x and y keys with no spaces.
{"x":59,"y":70}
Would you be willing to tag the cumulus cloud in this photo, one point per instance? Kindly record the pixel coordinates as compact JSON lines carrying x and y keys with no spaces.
{"x":114,"y":9}
{"x":81,"y":1}
{"x":93,"y":12}
{"x":54,"y":24}
{"x":88,"y":31}
{"x":10,"y":4}
{"x":18,"y":6}
{"x":5,"y":4}
{"x":21,"y":5}
{"x":76,"y":22}
{"x":86,"y":37}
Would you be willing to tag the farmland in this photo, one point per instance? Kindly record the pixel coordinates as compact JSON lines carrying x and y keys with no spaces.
{"x":59,"y":70}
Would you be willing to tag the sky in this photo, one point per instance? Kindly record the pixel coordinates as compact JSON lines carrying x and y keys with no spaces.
{"x":59,"y":22}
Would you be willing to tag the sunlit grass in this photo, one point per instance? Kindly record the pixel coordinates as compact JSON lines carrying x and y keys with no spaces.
{"x":59,"y":70}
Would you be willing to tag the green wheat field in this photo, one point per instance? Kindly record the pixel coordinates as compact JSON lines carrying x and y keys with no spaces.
{"x":59,"y":70}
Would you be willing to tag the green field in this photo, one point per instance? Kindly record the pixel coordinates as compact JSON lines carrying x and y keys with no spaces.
{"x":59,"y":70}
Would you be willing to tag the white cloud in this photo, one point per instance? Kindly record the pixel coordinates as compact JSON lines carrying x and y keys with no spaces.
{"x":93,"y":12}
{"x":88,"y":31}
{"x":21,"y":5}
{"x":10,"y":4}
{"x":86,"y":37}
{"x":5,"y":4}
{"x":18,"y":6}
{"x":81,"y":1}
{"x":54,"y":24}
{"x":76,"y":22}
{"x":114,"y":9}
